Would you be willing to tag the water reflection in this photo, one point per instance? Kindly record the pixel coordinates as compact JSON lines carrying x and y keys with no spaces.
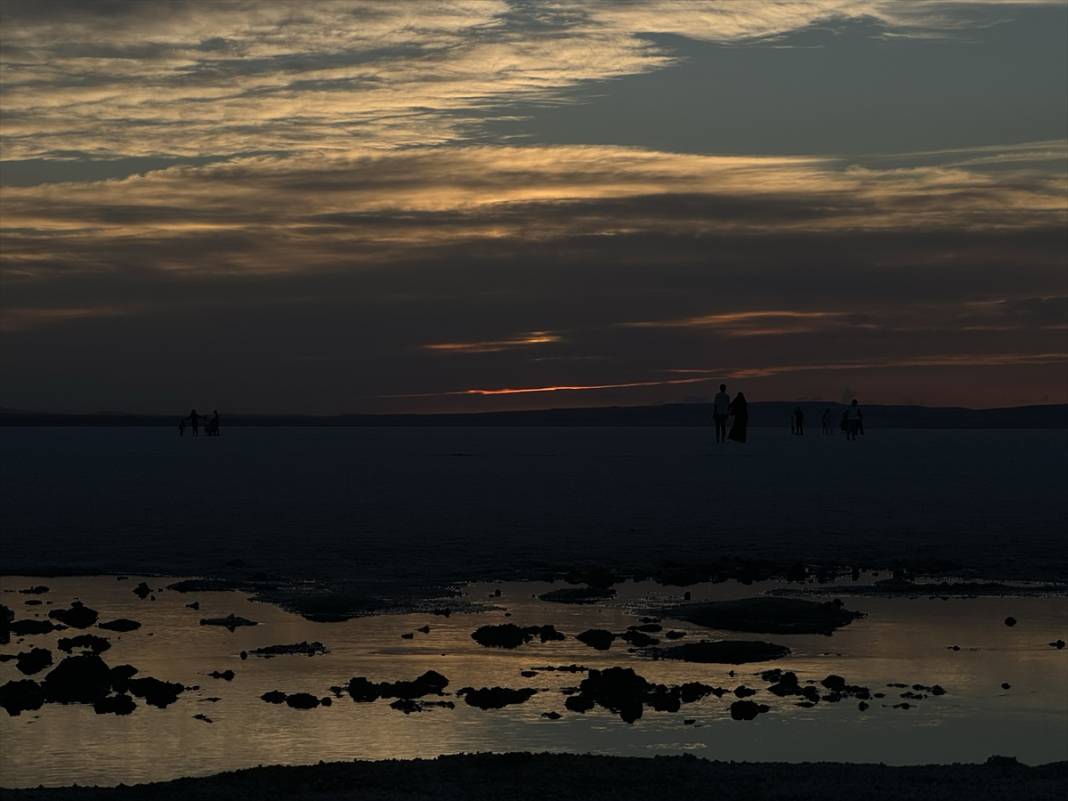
{"x":900,"y":640}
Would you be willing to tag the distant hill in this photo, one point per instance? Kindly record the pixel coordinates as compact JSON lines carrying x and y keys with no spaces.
{"x":762,"y":415}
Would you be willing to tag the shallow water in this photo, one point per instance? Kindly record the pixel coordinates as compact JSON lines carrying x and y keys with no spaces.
{"x":900,"y":640}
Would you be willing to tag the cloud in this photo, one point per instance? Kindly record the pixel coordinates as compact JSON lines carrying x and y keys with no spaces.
{"x":134,"y":78}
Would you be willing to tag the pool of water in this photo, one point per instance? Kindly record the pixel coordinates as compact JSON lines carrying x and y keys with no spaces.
{"x":900,"y":640}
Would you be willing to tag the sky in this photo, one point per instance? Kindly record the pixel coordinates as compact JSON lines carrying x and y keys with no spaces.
{"x":328,"y":207}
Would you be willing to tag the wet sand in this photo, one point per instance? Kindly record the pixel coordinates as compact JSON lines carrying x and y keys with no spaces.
{"x":511,"y":777}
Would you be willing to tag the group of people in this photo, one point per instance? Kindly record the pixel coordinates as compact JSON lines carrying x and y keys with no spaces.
{"x":194,"y":420}
{"x":723,"y":408}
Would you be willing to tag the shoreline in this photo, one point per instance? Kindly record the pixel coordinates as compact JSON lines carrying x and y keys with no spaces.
{"x":514,"y":776}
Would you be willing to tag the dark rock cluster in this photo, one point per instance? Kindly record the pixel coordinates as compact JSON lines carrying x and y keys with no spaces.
{"x":87,"y":679}
{"x":509,"y":635}
{"x":495,"y":697}
{"x":627,"y":693}
{"x":430,"y":683}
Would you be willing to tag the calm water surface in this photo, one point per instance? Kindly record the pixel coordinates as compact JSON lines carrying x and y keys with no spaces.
{"x":900,"y":640}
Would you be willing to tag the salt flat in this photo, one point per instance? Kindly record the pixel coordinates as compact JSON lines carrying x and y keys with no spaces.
{"x":417,"y":505}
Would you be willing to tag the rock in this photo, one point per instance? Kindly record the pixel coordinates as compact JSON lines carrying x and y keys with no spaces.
{"x":766,"y":615}
{"x":429,"y":683}
{"x":835,"y":683}
{"x":33,"y":602}
{"x":1006,"y":686}
{"x":79,"y":616}
{"x":326,"y":701}
{"x":578,"y":595}
{"x":730,"y":652}
{"x":509,"y":635}
{"x":579,"y":703}
{"x":862,"y":706}
{"x":410,"y":705}
{"x":28,"y":627}
{"x":360,"y":689}
{"x":203,"y":717}
{"x":689,"y":721}
{"x":639,"y":639}
{"x":1058,"y":644}
{"x":7,"y":615}
{"x":744,"y":692}
{"x":120,"y":704}
{"x":424,"y":629}
{"x":155,"y":692}
{"x":305,"y":647}
{"x":528,"y":674}
{"x":302,"y":701}
{"x":551,"y":715}
{"x":408,"y":636}
{"x":548,"y":633}
{"x":33,"y":661}
{"x":39,"y":589}
{"x":600,"y":639}
{"x":694,"y":691}
{"x":1010,"y":621}
{"x":226,"y":675}
{"x":81,"y":679}
{"x":142,"y":590}
{"x":230,"y":622}
{"x":495,"y":697}
{"x":87,"y":642}
{"x":675,"y":634}
{"x":619,"y":690}
{"x":120,"y":624}
{"x":194,"y":605}
{"x":20,"y":696}
{"x":274,"y":697}
{"x":120,"y":677}
{"x":747,"y":710}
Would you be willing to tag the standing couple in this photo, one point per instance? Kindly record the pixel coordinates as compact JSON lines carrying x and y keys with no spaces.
{"x":723,"y":408}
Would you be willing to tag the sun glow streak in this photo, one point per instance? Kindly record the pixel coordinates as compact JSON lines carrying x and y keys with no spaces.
{"x":495,"y":345}
{"x":707,"y":375}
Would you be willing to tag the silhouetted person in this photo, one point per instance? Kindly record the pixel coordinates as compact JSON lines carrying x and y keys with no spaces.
{"x":799,"y":421}
{"x":740,"y":410}
{"x":854,"y":420}
{"x":826,"y":423}
{"x":181,"y":426}
{"x":212,"y":427}
{"x":194,"y":422}
{"x":721,"y":410}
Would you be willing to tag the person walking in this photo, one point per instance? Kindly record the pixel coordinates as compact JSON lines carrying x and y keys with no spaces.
{"x":740,"y":410}
{"x":854,"y":420}
{"x":721,"y":409}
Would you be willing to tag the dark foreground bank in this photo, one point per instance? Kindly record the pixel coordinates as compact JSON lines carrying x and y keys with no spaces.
{"x":504,"y":777}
